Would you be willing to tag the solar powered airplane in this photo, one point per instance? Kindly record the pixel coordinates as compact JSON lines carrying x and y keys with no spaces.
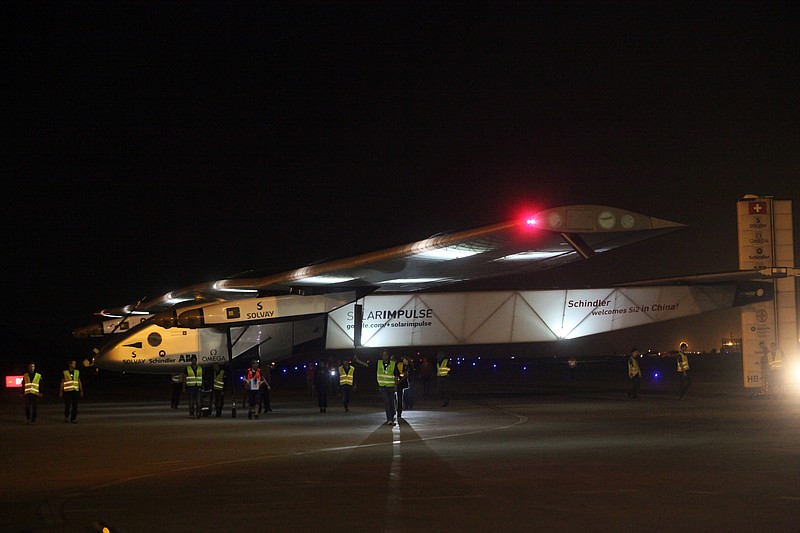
{"x":405,"y":296}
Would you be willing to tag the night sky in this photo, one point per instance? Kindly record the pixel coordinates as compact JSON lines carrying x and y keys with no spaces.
{"x":150,"y":146}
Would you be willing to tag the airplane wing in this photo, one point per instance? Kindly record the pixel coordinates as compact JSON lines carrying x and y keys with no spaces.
{"x":540,"y":241}
{"x":759,"y":275}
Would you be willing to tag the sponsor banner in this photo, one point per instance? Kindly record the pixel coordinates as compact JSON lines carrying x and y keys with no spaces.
{"x":766,"y":239}
{"x":749,"y":292}
{"x":758,"y":331}
{"x":274,"y":307}
{"x":755,"y":234}
{"x":495,"y":317}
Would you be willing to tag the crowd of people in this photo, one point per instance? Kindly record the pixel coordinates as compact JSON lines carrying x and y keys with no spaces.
{"x":393,"y":374}
{"x":325,"y":379}
{"x":206,"y":389}
{"x":69,"y":390}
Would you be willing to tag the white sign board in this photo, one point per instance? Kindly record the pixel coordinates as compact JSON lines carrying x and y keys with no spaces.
{"x":766,"y":240}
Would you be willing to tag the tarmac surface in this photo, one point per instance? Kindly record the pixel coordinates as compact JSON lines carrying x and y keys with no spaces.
{"x":504,"y":456}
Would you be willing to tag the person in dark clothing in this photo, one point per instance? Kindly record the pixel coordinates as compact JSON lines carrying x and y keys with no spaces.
{"x":572,"y":364}
{"x":403,"y":391}
{"x":322,"y":377}
{"x":425,"y":374}
{"x":265,"y":389}
{"x":443,"y":377}
{"x":252,"y":383}
{"x":311,"y":371}
{"x":177,"y":389}
{"x":333,"y":386}
{"x":634,"y":374}
{"x":218,"y":388}
{"x":683,"y":369}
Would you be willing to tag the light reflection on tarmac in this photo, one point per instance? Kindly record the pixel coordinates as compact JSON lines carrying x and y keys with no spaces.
{"x":581,"y":460}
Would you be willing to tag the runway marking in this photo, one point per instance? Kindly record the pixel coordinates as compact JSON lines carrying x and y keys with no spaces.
{"x":455,"y":497}
{"x":520,"y":419}
{"x":609,"y":491}
{"x":393,"y":513}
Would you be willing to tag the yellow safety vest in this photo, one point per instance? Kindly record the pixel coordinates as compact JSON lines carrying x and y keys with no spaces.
{"x":775,"y":360}
{"x":32,"y":387}
{"x":177,"y":378}
{"x":71,"y":384}
{"x":442,"y":369}
{"x":386,"y":375}
{"x":633,"y":367}
{"x":346,"y":377}
{"x":219,"y":380}
{"x":683,"y":362}
{"x":194,"y":379}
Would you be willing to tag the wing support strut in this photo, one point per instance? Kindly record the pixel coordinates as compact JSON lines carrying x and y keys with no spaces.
{"x":230,"y":366}
{"x":578,"y":244}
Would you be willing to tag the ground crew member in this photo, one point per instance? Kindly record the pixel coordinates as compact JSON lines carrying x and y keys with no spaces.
{"x":683,"y":369}
{"x":775,"y":363}
{"x":634,"y":374}
{"x":219,"y":388}
{"x":347,"y":383}
{"x":443,"y":378}
{"x":31,"y":393}
{"x":311,"y":370}
{"x":386,"y":373}
{"x":252,"y":384}
{"x":403,"y":394}
{"x":763,"y":363}
{"x":177,"y":388}
{"x":71,"y":389}
{"x":426,"y":373}
{"x":572,"y":363}
{"x":193,"y":383}
{"x":322,"y":379}
{"x":265,"y":388}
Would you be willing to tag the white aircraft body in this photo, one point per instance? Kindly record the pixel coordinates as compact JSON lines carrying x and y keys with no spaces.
{"x":388,"y":298}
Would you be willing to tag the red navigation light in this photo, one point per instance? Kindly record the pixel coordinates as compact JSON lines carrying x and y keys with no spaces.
{"x":527,"y":217}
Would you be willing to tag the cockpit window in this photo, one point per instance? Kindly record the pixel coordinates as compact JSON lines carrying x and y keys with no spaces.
{"x":154,"y":339}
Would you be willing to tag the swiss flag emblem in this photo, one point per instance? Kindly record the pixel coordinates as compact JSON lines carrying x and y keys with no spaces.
{"x":756,"y":208}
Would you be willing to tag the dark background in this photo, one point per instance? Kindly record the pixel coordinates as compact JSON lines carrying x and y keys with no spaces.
{"x":153,"y":145}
